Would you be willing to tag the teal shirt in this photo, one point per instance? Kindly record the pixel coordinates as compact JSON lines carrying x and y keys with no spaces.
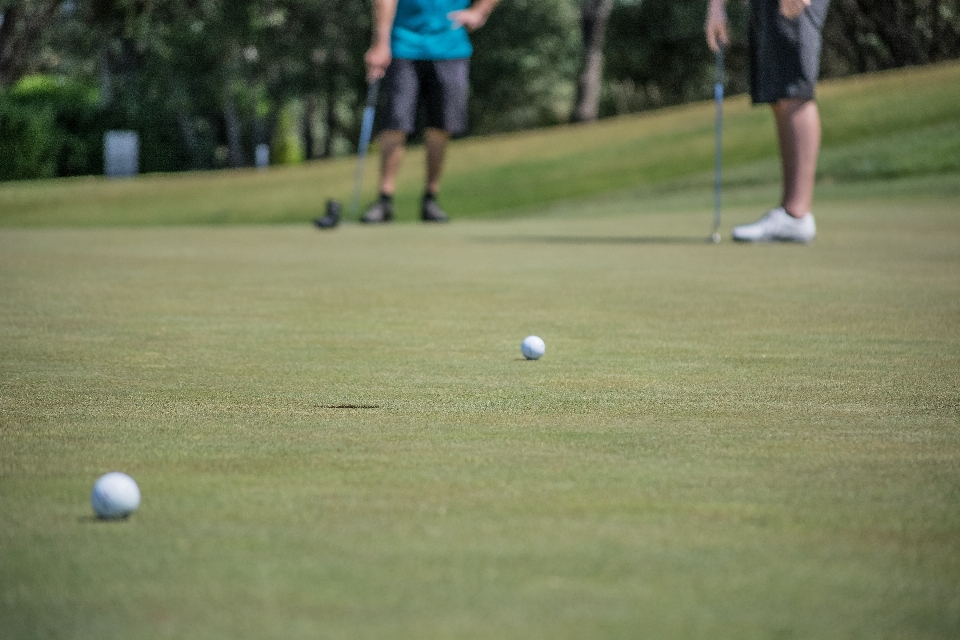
{"x":422,"y":31}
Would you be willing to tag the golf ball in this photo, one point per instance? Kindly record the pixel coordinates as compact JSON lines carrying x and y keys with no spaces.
{"x":533,"y":348}
{"x":115,"y":495}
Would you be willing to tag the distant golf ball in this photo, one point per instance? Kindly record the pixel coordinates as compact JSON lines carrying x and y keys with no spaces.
{"x":533,"y":348}
{"x":115,"y":495}
{"x":715,"y":238}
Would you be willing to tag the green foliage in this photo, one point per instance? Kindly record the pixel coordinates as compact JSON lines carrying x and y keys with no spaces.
{"x":73,"y":121}
{"x":27,"y":144}
{"x":58,"y":126}
{"x":656,"y":55}
{"x":864,"y":35}
{"x":524,"y":64}
{"x":286,"y":147}
{"x":162,"y":148}
{"x":197,"y":77}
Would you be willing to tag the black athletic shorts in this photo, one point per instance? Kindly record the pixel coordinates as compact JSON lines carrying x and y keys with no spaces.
{"x":784,"y":54}
{"x":439,"y":86}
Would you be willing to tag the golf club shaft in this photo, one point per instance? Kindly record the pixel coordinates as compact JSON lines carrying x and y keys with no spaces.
{"x":366,"y":131}
{"x":718,"y":162}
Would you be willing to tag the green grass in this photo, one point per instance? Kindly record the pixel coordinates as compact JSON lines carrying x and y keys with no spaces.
{"x":722,"y":441}
{"x":876,"y":127}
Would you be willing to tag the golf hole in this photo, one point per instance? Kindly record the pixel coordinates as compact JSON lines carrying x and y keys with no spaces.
{"x":350,"y":406}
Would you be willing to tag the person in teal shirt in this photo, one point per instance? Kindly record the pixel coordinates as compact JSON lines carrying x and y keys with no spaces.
{"x":422,"y":30}
{"x":422,"y":51}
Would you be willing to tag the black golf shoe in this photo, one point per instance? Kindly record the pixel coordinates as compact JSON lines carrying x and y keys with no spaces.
{"x":331,"y":218}
{"x":379,"y":213}
{"x":431,"y":211}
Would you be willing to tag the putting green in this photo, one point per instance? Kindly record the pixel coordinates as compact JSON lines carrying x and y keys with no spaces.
{"x":336,"y":436}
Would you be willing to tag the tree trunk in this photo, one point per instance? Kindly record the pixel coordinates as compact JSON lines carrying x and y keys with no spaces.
{"x":20,"y":34}
{"x":189,"y":133}
{"x":231,"y":119}
{"x":8,"y":62}
{"x":331,"y":113}
{"x":593,"y":26}
{"x":933,"y":51}
{"x":309,"y":113}
{"x":271,"y":123}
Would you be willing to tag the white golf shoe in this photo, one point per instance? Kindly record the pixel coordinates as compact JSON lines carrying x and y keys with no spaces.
{"x":777,"y":226}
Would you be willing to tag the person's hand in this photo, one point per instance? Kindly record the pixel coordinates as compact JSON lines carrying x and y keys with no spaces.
{"x":793,"y":8}
{"x":471,"y":18}
{"x":716,"y":27}
{"x":378,"y":58}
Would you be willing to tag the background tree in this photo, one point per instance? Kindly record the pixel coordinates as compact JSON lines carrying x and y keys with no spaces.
{"x":204,"y":82}
{"x":25,"y":26}
{"x":593,"y":27}
{"x":524,"y":65}
{"x":869,"y":35}
{"x":655,"y":54}
{"x":222,"y":71}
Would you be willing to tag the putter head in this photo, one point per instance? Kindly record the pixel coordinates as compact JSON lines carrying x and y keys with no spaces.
{"x":331,"y":218}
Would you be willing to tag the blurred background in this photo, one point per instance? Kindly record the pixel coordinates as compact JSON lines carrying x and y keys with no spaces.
{"x":204,"y":83}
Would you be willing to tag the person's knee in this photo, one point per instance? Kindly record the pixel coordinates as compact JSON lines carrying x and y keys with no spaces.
{"x":791,"y":105}
{"x":392,"y":138}
{"x":436,"y":135}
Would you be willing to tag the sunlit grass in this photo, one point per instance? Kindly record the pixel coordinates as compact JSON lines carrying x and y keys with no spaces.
{"x":336,"y":436}
{"x":875,"y":127}
{"x":721,"y":442}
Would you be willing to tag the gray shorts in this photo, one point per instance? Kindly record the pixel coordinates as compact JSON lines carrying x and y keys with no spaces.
{"x":439,"y":86}
{"x":784,"y":54}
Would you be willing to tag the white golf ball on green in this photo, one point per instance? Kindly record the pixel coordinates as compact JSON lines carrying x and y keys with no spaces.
{"x":115,"y":495}
{"x":532,"y":348}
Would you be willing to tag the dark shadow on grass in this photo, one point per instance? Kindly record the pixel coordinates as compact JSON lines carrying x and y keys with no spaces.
{"x":98,"y":520}
{"x":350,"y":406}
{"x":638,"y":240}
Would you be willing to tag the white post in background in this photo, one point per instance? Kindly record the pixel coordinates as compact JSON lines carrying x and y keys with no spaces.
{"x":262,"y":156}
{"x":121,"y":154}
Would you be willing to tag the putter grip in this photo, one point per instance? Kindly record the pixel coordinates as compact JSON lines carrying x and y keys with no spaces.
{"x":366,"y":128}
{"x":372,"y":90}
{"x":718,"y":86}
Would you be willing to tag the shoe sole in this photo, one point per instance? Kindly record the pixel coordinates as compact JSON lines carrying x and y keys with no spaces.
{"x":772,"y":240}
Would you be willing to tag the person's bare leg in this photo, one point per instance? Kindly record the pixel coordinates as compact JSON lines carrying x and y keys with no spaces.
{"x":798,"y":129}
{"x":436,"y":143}
{"x":392,"y":145}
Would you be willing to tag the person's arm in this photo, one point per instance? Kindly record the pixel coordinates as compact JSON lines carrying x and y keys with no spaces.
{"x":475,"y":16}
{"x":718,"y":35}
{"x":379,"y":54}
